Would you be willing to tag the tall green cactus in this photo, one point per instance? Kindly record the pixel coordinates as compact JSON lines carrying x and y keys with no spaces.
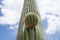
{"x":30,"y":27}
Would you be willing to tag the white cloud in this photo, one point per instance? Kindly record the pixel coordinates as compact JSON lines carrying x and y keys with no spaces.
{"x":13,"y":27}
{"x":51,"y":29}
{"x":10,"y":16}
{"x":11,"y":11}
{"x":50,"y":9}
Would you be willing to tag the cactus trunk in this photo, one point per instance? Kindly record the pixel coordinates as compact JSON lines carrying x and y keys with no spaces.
{"x":31,"y":34}
{"x":30,"y":27}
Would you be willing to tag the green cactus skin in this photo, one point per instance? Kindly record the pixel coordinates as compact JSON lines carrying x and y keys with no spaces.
{"x":30,"y":26}
{"x":33,"y":32}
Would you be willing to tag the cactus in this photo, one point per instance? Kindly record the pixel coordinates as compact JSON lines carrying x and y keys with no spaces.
{"x":30,"y":27}
{"x":31,"y":20}
{"x":33,"y":30}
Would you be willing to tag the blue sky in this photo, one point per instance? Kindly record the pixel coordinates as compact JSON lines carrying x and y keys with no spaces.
{"x":10,"y":13}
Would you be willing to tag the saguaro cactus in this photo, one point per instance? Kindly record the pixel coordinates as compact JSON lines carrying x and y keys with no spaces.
{"x":30,"y":27}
